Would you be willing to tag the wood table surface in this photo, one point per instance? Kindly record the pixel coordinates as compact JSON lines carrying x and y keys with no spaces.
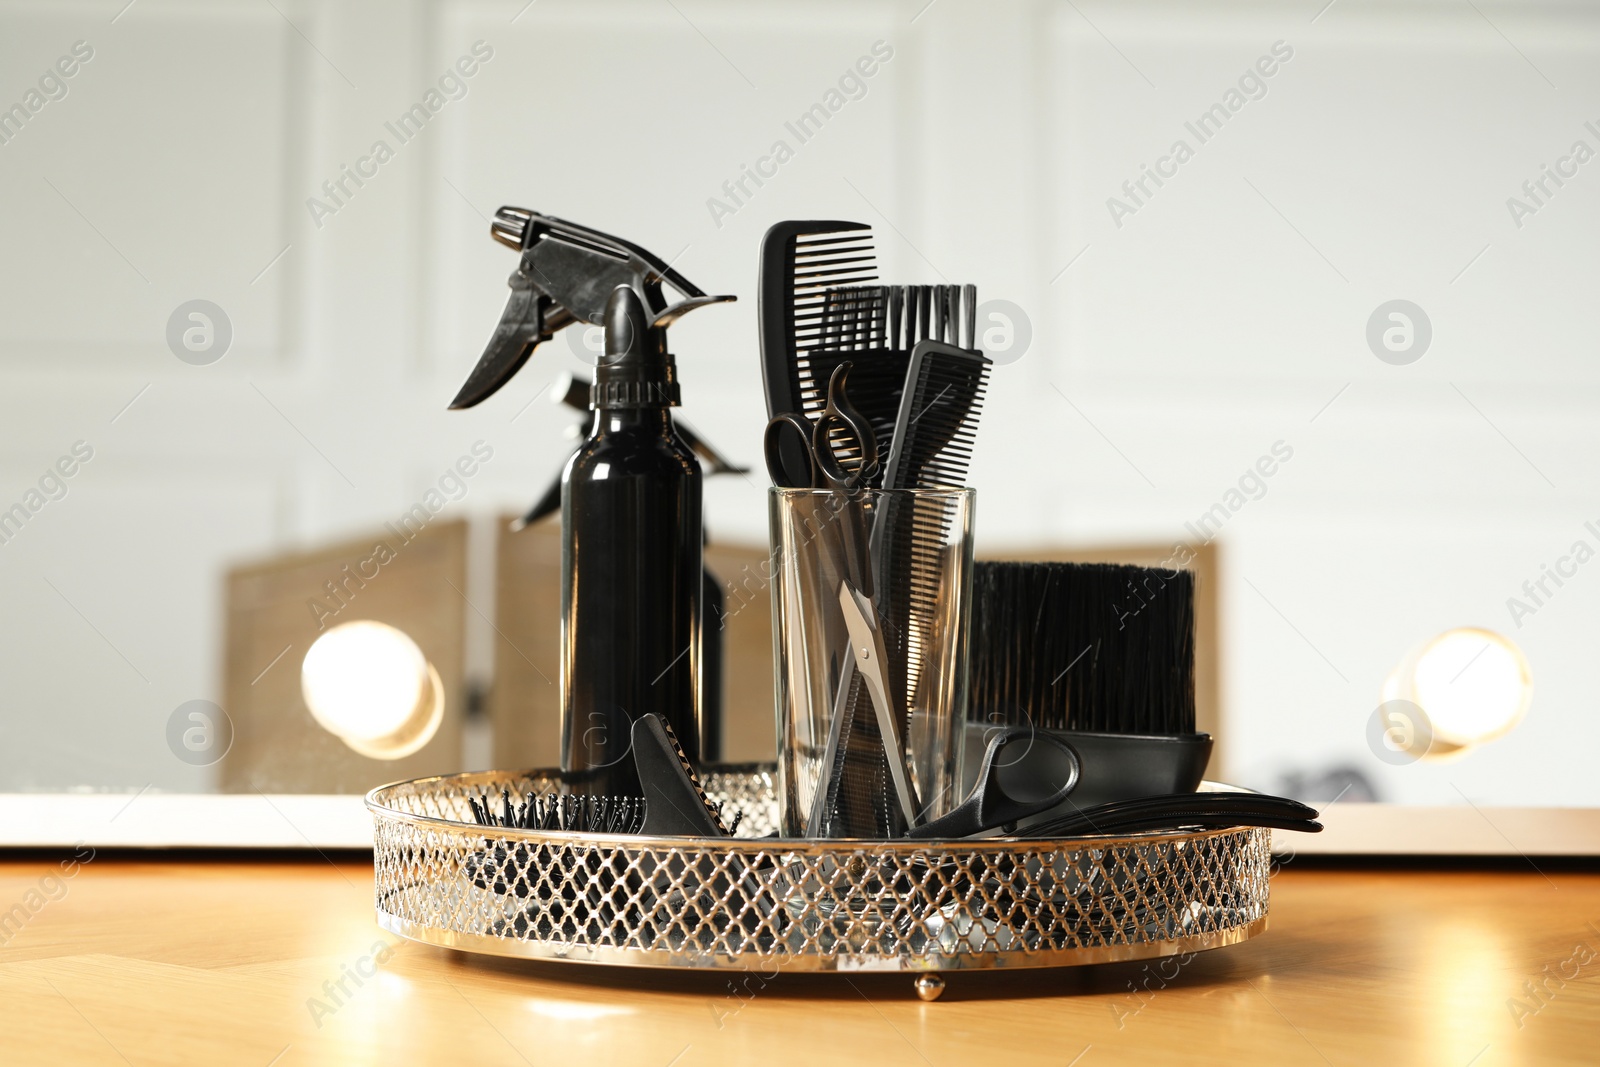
{"x":147,"y":960}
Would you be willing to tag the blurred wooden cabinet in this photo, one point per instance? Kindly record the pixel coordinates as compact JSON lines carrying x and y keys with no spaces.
{"x":271,"y":622}
{"x":273,"y":617}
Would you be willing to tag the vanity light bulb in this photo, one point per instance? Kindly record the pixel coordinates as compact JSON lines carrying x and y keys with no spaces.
{"x":1473,"y":684}
{"x":1470,"y":685}
{"x":369,"y":684}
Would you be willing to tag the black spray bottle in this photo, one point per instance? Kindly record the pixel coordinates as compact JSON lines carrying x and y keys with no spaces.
{"x":631,"y":557}
{"x":574,"y":392}
{"x":632,"y":578}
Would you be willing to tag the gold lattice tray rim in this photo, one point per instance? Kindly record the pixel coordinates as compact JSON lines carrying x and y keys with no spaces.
{"x":769,"y":904}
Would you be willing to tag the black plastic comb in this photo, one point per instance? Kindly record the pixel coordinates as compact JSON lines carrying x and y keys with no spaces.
{"x":938,"y":418}
{"x":1182,"y":811}
{"x":817,"y":307}
{"x":676,"y":804}
{"x":932,"y":447}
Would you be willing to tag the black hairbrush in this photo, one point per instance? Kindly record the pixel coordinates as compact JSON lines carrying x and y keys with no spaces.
{"x":1098,"y":655}
{"x":581,"y":813}
{"x":1097,"y":647}
{"x":510,"y":869}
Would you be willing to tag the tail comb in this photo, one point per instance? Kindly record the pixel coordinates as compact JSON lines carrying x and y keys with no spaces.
{"x":934,"y":434}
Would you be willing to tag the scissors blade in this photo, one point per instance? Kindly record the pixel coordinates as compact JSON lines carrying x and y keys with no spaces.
{"x":867,"y":649}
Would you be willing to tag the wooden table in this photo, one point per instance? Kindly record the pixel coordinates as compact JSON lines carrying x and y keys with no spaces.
{"x":145,"y":961}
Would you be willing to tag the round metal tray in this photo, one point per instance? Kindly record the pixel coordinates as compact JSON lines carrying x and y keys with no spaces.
{"x":769,"y":904}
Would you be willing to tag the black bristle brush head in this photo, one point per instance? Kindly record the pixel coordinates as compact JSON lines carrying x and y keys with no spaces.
{"x":580,"y":813}
{"x":1100,"y":647}
{"x":573,"y":812}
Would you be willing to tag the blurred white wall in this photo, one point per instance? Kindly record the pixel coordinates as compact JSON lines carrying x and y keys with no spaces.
{"x":1171,"y":346}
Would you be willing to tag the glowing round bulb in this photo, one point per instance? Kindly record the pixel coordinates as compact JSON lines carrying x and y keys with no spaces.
{"x":1472,"y":685}
{"x":369,"y":684}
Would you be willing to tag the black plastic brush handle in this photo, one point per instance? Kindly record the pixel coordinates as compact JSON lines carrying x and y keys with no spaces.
{"x":1225,"y":819}
{"x":674,"y":803}
{"x":1001,"y":798}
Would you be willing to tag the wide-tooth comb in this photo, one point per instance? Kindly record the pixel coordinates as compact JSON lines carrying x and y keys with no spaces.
{"x":800,"y":262}
{"x":818,"y":307}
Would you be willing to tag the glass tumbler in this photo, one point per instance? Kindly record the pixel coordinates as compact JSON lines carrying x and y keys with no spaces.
{"x":897,"y":565}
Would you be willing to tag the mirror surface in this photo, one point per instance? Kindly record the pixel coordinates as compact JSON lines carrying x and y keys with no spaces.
{"x":1313,"y":287}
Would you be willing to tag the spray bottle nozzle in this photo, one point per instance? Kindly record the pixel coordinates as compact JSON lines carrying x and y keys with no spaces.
{"x":636,"y":370}
{"x":567,"y":273}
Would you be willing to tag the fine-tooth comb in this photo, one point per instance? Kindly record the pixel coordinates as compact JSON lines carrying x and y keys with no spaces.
{"x":932,"y":447}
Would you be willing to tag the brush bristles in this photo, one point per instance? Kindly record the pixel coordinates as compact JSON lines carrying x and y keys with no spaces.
{"x":576,"y":813}
{"x":1083,"y":646}
{"x":561,"y":811}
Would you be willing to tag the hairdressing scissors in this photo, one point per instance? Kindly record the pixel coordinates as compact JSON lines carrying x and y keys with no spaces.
{"x":872,"y":662}
{"x":840,"y":435}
